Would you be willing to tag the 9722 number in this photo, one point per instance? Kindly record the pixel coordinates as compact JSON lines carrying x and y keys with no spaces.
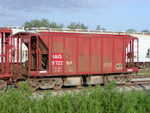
{"x":57,"y":63}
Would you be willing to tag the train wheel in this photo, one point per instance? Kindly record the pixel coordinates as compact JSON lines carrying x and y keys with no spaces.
{"x":3,"y":86}
{"x":58,"y":83}
{"x":46,"y":83}
{"x":31,"y":84}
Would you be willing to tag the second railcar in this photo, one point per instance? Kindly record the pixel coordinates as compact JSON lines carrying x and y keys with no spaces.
{"x":6,"y":52}
{"x":70,"y":59}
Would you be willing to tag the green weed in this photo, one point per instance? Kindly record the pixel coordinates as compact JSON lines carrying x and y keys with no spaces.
{"x":92,"y":100}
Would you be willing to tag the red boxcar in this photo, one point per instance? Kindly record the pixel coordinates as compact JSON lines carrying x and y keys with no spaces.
{"x":56,"y":58}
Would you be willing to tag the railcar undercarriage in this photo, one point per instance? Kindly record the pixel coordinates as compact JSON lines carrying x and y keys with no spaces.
{"x":58,"y":82}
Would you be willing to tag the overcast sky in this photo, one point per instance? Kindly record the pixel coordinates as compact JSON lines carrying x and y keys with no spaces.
{"x":116,"y":15}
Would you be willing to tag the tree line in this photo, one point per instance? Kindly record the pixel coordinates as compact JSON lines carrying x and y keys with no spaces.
{"x":47,"y":23}
{"x":72,"y":25}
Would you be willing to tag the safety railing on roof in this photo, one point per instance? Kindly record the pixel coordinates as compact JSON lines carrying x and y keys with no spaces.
{"x":44,"y":29}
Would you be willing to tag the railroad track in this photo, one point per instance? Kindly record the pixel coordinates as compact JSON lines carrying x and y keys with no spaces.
{"x":141,"y":79}
{"x":132,"y":85}
{"x":139,"y":82}
{"x":136,"y":86}
{"x":144,"y":70}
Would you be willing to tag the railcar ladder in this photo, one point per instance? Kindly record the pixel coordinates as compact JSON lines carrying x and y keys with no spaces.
{"x":136,"y":53}
{"x":132,"y":54}
{"x":5,"y":53}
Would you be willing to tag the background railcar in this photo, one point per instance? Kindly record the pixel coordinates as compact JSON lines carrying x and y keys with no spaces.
{"x":144,"y":49}
{"x":56,"y":59}
{"x":14,"y":30}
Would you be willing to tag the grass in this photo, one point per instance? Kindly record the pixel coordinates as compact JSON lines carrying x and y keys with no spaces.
{"x":93,"y":100}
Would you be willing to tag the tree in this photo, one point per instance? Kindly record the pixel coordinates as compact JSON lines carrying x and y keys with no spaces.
{"x":55,"y":25}
{"x":131,"y":30}
{"x":103,"y":29}
{"x":82,"y":26}
{"x":37,"y":23}
{"x":41,"y":23}
{"x":145,"y":30}
{"x":78,"y":25}
{"x":45,"y":23}
{"x":99,"y":28}
{"x":72,"y":25}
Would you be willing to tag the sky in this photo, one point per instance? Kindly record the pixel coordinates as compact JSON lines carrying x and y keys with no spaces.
{"x":115,"y":15}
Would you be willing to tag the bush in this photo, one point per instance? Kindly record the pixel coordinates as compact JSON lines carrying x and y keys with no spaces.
{"x":92,"y":100}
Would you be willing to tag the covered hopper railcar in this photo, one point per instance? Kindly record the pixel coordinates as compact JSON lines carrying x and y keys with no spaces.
{"x":58,"y":59}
